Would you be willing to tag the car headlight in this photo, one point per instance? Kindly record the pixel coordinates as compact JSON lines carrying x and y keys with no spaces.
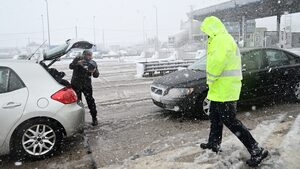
{"x":179,"y":92}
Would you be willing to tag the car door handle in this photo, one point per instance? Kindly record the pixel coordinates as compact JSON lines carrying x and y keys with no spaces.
{"x":10,"y":105}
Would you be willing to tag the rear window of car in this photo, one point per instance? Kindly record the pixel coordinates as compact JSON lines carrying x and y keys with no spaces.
{"x":4,"y":74}
{"x":9,"y":80}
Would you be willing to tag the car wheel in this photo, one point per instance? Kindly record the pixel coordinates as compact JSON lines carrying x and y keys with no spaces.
{"x":297,"y":91}
{"x":202,"y":107}
{"x":205,"y":106}
{"x":37,"y":139}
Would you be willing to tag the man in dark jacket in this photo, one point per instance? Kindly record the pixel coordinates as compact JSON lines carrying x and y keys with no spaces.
{"x":83,"y":69}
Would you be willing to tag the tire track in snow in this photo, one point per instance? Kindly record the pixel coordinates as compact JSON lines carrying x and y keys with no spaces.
{"x":192,"y":157}
{"x":291,"y":146}
{"x":234,"y":153}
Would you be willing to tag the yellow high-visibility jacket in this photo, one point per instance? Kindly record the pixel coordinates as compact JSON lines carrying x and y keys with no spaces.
{"x":223,"y":67}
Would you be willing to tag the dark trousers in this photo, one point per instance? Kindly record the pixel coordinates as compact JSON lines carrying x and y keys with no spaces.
{"x":88,"y":94}
{"x":224,"y":113}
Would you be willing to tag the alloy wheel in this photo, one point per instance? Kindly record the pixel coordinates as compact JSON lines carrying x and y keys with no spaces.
{"x":297,"y":91}
{"x":206,"y":104}
{"x":38,"y":139}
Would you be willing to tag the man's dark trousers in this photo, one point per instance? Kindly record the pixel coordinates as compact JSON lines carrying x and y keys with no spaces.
{"x":87,"y":90}
{"x":225,"y":113}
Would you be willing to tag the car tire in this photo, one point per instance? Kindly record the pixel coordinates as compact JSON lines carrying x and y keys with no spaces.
{"x":37,"y":139}
{"x":202,"y":107}
{"x":296,"y":92}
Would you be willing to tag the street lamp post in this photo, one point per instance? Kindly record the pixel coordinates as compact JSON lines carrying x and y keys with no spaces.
{"x":94,"y":18}
{"x":144,"y":39}
{"x":76,"y":32}
{"x":48,"y":23}
{"x":156,"y":44}
{"x":43,"y":28}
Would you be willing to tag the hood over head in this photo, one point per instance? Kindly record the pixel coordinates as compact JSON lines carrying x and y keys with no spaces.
{"x":213,"y":26}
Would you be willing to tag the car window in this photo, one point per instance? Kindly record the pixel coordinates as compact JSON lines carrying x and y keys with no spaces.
{"x":277,"y":58}
{"x":9,"y":81}
{"x":4,"y":74}
{"x":199,"y":64}
{"x":252,"y":60}
{"x":15,"y":82}
{"x":293,"y":59}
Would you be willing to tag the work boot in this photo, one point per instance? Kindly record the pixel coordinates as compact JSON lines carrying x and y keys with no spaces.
{"x":95,"y":121}
{"x":257,"y":156}
{"x":213,"y":147}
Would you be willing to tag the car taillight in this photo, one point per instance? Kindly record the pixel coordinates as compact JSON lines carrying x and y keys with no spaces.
{"x":65,"y":96}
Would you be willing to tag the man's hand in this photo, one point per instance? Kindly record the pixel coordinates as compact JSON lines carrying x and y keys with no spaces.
{"x":92,"y":71}
{"x":80,"y":62}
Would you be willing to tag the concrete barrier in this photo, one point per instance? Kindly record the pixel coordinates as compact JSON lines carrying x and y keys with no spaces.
{"x":159,"y":68}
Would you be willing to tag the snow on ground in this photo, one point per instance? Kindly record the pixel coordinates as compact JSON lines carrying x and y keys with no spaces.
{"x":290,"y":147}
{"x":234,"y":155}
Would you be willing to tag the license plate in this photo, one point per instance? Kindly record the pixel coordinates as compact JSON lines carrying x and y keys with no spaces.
{"x":155,"y":97}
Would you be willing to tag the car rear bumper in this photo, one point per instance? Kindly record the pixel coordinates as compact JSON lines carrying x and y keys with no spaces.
{"x":72,"y":117}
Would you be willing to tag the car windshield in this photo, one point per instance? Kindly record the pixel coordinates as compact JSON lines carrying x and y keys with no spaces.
{"x":199,"y":64}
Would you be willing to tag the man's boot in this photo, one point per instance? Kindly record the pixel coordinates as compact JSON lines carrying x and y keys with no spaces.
{"x":95,"y":121}
{"x":213,"y":147}
{"x":257,"y":156}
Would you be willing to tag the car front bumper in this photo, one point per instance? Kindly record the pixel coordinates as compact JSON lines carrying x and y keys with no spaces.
{"x":176,"y":104}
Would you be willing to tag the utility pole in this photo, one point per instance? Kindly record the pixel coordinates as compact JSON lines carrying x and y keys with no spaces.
{"x":103,"y":40}
{"x":94,"y":18}
{"x":48,"y":23}
{"x":287,"y":34}
{"x":156,"y":44}
{"x":143,"y":26}
{"x":279,"y":30}
{"x":43,"y":28}
{"x":191,"y":25}
{"x":76,"y":32}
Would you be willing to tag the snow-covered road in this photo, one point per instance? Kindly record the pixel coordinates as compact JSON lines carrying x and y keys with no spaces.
{"x":134,"y":133}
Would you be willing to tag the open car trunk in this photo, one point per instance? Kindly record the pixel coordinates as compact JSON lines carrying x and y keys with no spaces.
{"x":56,"y":53}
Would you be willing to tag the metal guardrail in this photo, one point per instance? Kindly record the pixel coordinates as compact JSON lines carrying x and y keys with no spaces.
{"x":159,"y":68}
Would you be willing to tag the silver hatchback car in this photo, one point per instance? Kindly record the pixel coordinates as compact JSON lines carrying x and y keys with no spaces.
{"x":36,"y":112}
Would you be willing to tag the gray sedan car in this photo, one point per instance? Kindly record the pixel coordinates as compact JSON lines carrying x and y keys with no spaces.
{"x":36,"y":111}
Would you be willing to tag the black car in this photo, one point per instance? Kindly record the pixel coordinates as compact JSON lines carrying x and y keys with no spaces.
{"x":268,"y":73}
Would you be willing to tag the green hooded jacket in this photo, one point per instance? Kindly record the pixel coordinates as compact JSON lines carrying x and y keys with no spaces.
{"x":223,"y":68}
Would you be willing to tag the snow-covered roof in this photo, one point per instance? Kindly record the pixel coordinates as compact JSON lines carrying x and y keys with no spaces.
{"x":233,"y":10}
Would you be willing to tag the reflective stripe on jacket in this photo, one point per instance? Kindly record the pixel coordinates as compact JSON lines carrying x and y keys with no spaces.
{"x":223,"y":66}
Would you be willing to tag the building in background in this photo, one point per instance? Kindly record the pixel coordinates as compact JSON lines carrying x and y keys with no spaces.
{"x":296,"y":39}
{"x":259,"y":37}
{"x":189,"y":33}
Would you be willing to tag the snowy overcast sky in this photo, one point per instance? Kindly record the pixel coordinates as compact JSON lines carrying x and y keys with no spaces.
{"x":121,"y":20}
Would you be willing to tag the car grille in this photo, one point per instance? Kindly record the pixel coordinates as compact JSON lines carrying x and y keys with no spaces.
{"x":157,"y":90}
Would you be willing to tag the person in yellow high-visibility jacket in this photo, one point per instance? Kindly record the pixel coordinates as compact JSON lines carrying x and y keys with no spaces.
{"x":224,"y":75}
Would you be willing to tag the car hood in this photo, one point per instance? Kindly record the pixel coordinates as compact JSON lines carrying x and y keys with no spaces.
{"x":61,"y":50}
{"x":182,"y":78}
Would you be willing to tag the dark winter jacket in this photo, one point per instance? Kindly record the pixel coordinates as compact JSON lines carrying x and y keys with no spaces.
{"x":81,"y":76}
{"x":58,"y":76}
